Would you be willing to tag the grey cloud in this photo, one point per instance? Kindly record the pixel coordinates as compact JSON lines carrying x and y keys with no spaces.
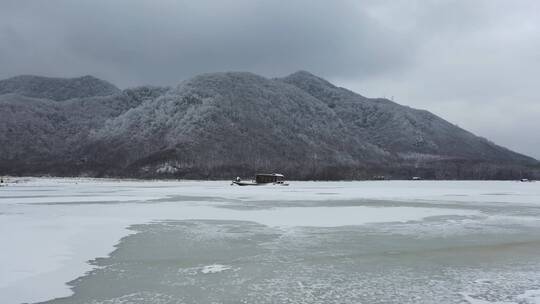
{"x":131,"y":42}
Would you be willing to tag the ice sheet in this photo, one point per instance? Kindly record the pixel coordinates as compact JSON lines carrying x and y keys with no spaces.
{"x":215,"y":268}
{"x":49,"y":228}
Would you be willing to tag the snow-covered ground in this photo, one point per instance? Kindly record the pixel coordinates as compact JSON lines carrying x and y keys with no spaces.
{"x":51,"y":227}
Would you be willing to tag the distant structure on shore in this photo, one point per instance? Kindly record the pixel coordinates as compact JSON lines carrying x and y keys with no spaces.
{"x":262,"y":179}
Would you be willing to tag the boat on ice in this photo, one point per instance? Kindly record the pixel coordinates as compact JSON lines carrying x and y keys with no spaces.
{"x":263,"y":179}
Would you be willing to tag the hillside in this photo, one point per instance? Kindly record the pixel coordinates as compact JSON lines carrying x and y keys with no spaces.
{"x":407,"y":132}
{"x":222,"y":125}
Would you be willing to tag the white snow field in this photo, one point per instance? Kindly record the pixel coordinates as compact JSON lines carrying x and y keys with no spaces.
{"x":51,"y":227}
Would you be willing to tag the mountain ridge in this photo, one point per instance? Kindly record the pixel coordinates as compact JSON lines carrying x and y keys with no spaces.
{"x":55,"y":88}
{"x":218,"y":125}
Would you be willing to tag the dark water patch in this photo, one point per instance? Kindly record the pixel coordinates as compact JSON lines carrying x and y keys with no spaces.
{"x":244,"y":262}
{"x":269,"y":204}
{"x":187,"y":198}
{"x":83,"y":203}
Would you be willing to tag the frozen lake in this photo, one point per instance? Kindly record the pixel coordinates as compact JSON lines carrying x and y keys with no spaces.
{"x":109,"y":241}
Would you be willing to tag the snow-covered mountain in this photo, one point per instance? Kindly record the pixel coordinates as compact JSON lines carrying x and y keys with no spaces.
{"x":57,"y":88}
{"x":221,"y":125}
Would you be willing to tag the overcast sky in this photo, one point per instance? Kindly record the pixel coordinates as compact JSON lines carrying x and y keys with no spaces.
{"x":474,"y":63}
